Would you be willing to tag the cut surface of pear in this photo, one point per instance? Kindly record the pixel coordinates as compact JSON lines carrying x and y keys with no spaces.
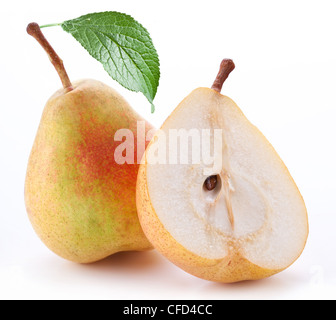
{"x":251,"y":224}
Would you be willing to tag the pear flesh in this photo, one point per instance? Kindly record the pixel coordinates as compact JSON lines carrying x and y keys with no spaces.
{"x":251,"y":224}
{"x":80,"y":201}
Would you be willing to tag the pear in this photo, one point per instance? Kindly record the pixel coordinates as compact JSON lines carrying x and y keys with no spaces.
{"x":237,"y":217}
{"x":80,"y":200}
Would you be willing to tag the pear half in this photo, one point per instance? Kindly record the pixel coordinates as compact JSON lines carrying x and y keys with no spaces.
{"x":244,"y":220}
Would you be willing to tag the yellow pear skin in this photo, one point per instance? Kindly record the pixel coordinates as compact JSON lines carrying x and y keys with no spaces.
{"x":80,"y":202}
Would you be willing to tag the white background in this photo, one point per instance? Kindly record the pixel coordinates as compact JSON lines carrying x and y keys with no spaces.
{"x":284,"y":81}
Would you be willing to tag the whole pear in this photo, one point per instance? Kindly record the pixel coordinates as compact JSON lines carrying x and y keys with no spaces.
{"x":80,"y":200}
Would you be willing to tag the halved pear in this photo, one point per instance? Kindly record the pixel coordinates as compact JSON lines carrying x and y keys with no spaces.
{"x":242,"y":219}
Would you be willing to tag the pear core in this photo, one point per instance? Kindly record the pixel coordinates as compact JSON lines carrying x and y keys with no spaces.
{"x":255,"y":211}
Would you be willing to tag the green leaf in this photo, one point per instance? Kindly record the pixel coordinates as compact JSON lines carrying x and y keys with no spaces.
{"x":123,"y":46}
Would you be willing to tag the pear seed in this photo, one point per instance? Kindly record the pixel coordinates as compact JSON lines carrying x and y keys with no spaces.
{"x":210,"y":183}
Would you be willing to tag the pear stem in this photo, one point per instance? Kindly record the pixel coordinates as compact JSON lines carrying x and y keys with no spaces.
{"x":34,"y":30}
{"x":226,"y":67}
